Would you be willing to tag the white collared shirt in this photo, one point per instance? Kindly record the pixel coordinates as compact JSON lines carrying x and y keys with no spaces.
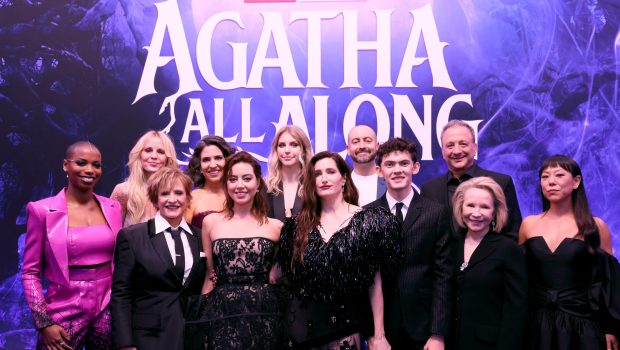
{"x":162,"y":225}
{"x":406,"y":202}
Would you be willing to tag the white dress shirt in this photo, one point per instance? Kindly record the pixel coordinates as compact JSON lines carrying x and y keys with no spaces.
{"x":161,"y":226}
{"x":406,"y":202}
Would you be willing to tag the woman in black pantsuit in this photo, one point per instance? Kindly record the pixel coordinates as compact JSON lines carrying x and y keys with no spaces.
{"x":491,"y":278}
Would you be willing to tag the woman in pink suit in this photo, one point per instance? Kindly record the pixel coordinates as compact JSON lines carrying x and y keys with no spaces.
{"x":70,"y":240}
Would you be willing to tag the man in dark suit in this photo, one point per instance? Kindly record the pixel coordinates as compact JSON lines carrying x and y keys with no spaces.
{"x":362,"y":147}
{"x":417,"y":301}
{"x":158,"y":265}
{"x":459,"y":148}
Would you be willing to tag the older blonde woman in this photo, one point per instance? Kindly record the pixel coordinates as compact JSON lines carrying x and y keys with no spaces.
{"x":153,"y":151}
{"x":491,"y":278}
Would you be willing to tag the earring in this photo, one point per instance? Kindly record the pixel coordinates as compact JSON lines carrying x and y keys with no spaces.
{"x":493,"y":223}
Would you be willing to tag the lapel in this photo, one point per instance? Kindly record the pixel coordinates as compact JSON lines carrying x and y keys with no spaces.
{"x":415,"y":208}
{"x":278,"y":204}
{"x":383,"y":202}
{"x":486,"y":247}
{"x":112,"y":213}
{"x":443,"y":190}
{"x":296,"y":204}
{"x":57,"y":225}
{"x":161,"y":247}
{"x":194,"y":244}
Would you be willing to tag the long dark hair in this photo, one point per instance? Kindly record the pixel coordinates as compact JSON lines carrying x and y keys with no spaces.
{"x":586,"y":225}
{"x":193,"y":168}
{"x":259,"y":204}
{"x":309,"y":215}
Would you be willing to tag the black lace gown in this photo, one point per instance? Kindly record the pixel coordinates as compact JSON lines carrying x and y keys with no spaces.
{"x":561,"y":312}
{"x":330,"y":288}
{"x":244,"y":311}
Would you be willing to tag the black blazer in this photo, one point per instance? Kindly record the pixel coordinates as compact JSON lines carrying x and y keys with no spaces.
{"x":491,"y":295}
{"x":437,"y":190}
{"x":148,"y":297}
{"x":419,"y":299}
{"x":276,"y":205}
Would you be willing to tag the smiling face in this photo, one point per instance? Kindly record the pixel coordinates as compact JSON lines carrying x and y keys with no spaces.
{"x":557,"y":184}
{"x":478,"y":210}
{"x":458,"y":149}
{"x":153,"y":155}
{"x":329,"y":181}
{"x":83,"y":167}
{"x":397,"y":168}
{"x":212,"y":163}
{"x":242,"y":184}
{"x":289,"y":150}
{"x":362,"y":144}
{"x":172,"y":202}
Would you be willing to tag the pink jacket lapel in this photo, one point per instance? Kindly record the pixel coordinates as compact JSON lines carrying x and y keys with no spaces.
{"x":57,"y":225}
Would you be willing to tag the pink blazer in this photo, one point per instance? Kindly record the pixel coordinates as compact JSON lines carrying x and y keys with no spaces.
{"x":46,"y":248}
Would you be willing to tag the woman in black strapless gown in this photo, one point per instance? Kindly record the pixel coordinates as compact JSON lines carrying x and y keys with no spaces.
{"x":561,"y":246}
{"x":239,"y":308}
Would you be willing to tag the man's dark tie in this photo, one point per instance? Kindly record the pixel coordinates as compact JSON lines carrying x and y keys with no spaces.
{"x":179,"y":263}
{"x":399,"y":212}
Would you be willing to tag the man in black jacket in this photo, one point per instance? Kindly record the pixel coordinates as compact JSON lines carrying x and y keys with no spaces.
{"x":459,"y":148}
{"x":417,"y":301}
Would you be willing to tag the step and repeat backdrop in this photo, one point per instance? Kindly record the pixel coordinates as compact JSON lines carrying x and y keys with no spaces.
{"x":534,"y":78}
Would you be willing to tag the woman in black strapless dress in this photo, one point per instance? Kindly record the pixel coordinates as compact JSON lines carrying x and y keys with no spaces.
{"x":561,"y":246}
{"x":244,"y":311}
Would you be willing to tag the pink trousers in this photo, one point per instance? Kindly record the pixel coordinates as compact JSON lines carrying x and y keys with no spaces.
{"x":81,"y":308}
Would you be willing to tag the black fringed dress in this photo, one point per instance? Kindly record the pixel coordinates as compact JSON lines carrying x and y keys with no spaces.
{"x":330,"y":288}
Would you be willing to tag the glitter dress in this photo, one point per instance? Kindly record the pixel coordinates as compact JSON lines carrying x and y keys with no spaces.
{"x":561,"y":316}
{"x":244,"y":311}
{"x":331,"y":286}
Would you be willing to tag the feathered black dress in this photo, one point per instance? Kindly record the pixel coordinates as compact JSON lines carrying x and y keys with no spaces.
{"x":330,"y":288}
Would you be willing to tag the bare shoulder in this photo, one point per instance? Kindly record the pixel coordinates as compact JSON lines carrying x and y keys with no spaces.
{"x":275,"y":223}
{"x":528,"y":226}
{"x":119,"y":192}
{"x":531,"y":220}
{"x":120,"y":188}
{"x":604,"y":235}
{"x":212,"y":220}
{"x":274,"y":228}
{"x":601,"y":224}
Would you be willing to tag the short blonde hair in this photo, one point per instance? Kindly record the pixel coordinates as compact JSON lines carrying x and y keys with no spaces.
{"x":164,"y":178}
{"x":489,"y":185}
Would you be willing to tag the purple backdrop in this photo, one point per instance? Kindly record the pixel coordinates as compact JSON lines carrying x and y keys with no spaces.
{"x":534,"y":77}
